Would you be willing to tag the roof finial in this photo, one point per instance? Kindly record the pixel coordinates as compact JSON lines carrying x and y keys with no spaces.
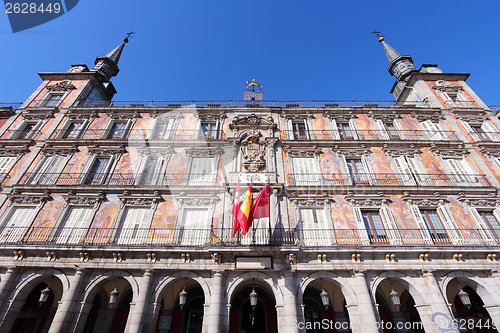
{"x":129,"y":35}
{"x":380,"y":37}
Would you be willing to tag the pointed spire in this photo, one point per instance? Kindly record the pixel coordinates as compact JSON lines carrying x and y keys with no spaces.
{"x":107,"y":66}
{"x":400,"y":66}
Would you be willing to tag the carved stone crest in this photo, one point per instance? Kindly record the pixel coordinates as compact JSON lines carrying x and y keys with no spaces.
{"x":253,"y":150}
{"x":64,"y":85}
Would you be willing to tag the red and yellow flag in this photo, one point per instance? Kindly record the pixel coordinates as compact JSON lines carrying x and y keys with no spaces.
{"x":236,"y":208}
{"x":244,"y":212}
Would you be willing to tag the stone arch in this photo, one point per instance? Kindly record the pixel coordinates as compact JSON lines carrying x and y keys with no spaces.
{"x":347,"y":291}
{"x":92,"y":287}
{"x":238,"y":280}
{"x":414,"y":288}
{"x":487,"y":290}
{"x":163,"y":285}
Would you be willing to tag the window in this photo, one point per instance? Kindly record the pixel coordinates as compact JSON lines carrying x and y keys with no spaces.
{"x":151,"y":170}
{"x":203,"y":171}
{"x":434,"y":225}
{"x":306,"y":171}
{"x":74,"y":130}
{"x":163,"y":130}
{"x":316,"y":229}
{"x":491,"y":221}
{"x":17,"y":223}
{"x":299,"y":131}
{"x":386,"y":131}
{"x":99,"y":171}
{"x":403,"y":171}
{"x":53,"y":100}
{"x":209,"y":130}
{"x":74,"y":226}
{"x":357,"y":172}
{"x":27,"y":130}
{"x":374,"y":226}
{"x":490,"y":131}
{"x":47,"y":170}
{"x":117,"y":130}
{"x":460,"y":172}
{"x":345,"y":131}
{"x":134,"y":225}
{"x":194,"y":227}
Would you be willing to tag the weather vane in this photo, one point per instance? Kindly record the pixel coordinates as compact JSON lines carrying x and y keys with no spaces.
{"x":129,"y":35}
{"x":377,"y":33}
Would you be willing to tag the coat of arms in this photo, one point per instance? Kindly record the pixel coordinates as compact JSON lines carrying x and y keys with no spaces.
{"x":253,"y":150}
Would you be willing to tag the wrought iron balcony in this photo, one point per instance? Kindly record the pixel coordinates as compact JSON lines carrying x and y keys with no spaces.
{"x":387,"y":179}
{"x":171,"y":237}
{"x":369,"y":135}
{"x":240,"y":103}
{"x":462,"y":104}
{"x":120,"y":179}
{"x":135,"y":134}
{"x":26,"y":134}
{"x":485,"y":136}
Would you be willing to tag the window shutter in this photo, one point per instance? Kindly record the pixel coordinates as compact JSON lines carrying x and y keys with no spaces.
{"x":471,"y":131}
{"x":390,"y":226}
{"x":363,"y":234}
{"x":367,"y":172}
{"x":306,"y":171}
{"x":314,"y":227}
{"x":334,"y":129}
{"x":403,"y":170}
{"x":459,"y":171}
{"x":345,"y":170}
{"x":352,"y":125}
{"x":424,"y":231}
{"x":75,"y":225}
{"x":308,"y":126}
{"x":382,"y":132}
{"x":202,"y":171}
{"x":491,"y":131}
{"x":6,"y":163}
{"x":485,"y":229}
{"x":449,"y":224}
{"x":195,"y":227}
{"x":418,"y":169}
{"x":401,"y":131}
{"x":432,"y":130}
{"x":153,"y":129}
{"x":135,"y":225}
{"x":17,"y":223}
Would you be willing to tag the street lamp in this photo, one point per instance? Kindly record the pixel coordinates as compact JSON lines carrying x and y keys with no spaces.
{"x":464,"y":297}
{"x":253,"y":298}
{"x":113,"y":295}
{"x":325,"y":298}
{"x":183,"y":295}
{"x":44,"y":295}
{"x":394,"y":296}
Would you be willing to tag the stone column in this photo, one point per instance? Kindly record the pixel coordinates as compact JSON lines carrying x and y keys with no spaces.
{"x":288,"y":321}
{"x":365,"y":319}
{"x":67,"y":308}
{"x":494,"y":312}
{"x":135,"y":321}
{"x":5,"y":284}
{"x":273,"y":208}
{"x":214,"y":311}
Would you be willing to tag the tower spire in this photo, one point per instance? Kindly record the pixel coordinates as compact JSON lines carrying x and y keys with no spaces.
{"x":107,"y":66}
{"x":399,"y":66}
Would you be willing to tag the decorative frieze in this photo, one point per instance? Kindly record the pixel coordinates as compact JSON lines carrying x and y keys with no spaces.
{"x":394,"y":152}
{"x":107,"y":151}
{"x":122,"y":115}
{"x":387,"y":118}
{"x":253,"y":122}
{"x":147,"y":151}
{"x":64,"y":151}
{"x":37,"y":115}
{"x":211,"y":117}
{"x":448,"y":88}
{"x":473,"y":120}
{"x":352,"y":151}
{"x":64,"y":85}
{"x":311,"y":201}
{"x":425,"y":201}
{"x":29,"y":199}
{"x":204,"y":152}
{"x":130,"y":200}
{"x":484,"y":202}
{"x":368,"y":200}
{"x":450,"y":152}
{"x":434,"y":117}
{"x":198,"y":201}
{"x":83,"y":200}
{"x":13,"y":151}
{"x":302,"y":152}
{"x":491,"y":152}
{"x":341,"y":117}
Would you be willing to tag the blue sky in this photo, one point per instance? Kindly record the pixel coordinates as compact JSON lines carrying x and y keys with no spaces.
{"x":299,"y":50}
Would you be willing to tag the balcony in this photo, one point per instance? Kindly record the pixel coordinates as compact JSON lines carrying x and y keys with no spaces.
{"x":136,"y":237}
{"x":369,"y":135}
{"x":21,"y":135}
{"x":134,"y":135}
{"x":388,"y":179}
{"x":120,"y":179}
{"x":454,"y":104}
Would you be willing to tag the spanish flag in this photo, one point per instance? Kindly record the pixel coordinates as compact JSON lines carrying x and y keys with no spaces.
{"x":261,"y":206}
{"x":244,"y":212}
{"x":236,"y":208}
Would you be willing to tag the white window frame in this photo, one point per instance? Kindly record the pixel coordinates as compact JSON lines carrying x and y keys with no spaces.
{"x":15,"y":233}
{"x":325,"y":235}
{"x":197,"y":234}
{"x":45,"y":100}
{"x":158,"y":177}
{"x":389,"y":223}
{"x":484,"y":228}
{"x":313,"y":177}
{"x":6,"y":164}
{"x":32,"y":133}
{"x":202,"y":179}
{"x":307,"y":127}
{"x":460,"y":170}
{"x":76,"y":234}
{"x":403,"y":171}
{"x":129,"y":235}
{"x":84,"y":176}
{"x":198,"y":132}
{"x":48,"y":169}
{"x":365,"y":162}
{"x":171,"y":124}
{"x":80,"y":131}
{"x":129,"y":123}
{"x":491,"y":131}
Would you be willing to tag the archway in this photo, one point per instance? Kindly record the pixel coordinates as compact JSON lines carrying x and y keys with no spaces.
{"x":37,"y":312}
{"x":334,"y":314}
{"x":468,"y":308}
{"x":396,"y":307}
{"x":175,"y":317}
{"x":260,"y":318}
{"x":110,"y":307}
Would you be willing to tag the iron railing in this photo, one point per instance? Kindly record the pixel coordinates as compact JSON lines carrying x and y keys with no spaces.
{"x":134,"y":134}
{"x":11,"y":105}
{"x":388,"y":179}
{"x":240,"y":103}
{"x":166,"y":237}
{"x":20,"y":134}
{"x":485,"y":136}
{"x":369,"y":135}
{"x":120,"y":179}
{"x":461,"y":104}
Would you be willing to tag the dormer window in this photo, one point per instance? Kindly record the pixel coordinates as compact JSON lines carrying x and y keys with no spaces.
{"x":53,"y":100}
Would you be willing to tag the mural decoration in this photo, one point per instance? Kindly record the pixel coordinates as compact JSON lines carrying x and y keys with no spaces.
{"x":107,"y":212}
{"x":48,"y":216}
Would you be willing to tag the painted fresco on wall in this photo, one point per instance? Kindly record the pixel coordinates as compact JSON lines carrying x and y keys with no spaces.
{"x":464,"y":220}
{"x":143,"y":123}
{"x":15,"y":169}
{"x":488,"y":163}
{"x":381,"y":164}
{"x":462,"y":128}
{"x":185,"y":128}
{"x":321,"y":129}
{"x":128,"y":162}
{"x":95,"y":128}
{"x":77,"y":161}
{"x":12,"y":127}
{"x":409,"y":124}
{"x":365,"y":129}
{"x":408,"y":227}
{"x":176,"y":167}
{"x":50,"y":212}
{"x":431,"y":163}
{"x":344,"y":222}
{"x":164,"y":220}
{"x":431,"y":84}
{"x":107,"y":212}
{"x":282,"y":129}
{"x":44,"y":91}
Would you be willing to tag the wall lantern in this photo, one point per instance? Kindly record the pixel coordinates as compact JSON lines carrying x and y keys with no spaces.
{"x":183,"y":295}
{"x":44,"y":295}
{"x":325,"y":298}
{"x":394,"y":296}
{"x":464,"y":297}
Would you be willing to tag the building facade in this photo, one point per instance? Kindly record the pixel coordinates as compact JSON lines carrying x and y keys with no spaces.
{"x":116,"y":216}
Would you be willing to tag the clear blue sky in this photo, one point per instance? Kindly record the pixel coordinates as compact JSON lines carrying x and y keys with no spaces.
{"x":299,"y":50}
